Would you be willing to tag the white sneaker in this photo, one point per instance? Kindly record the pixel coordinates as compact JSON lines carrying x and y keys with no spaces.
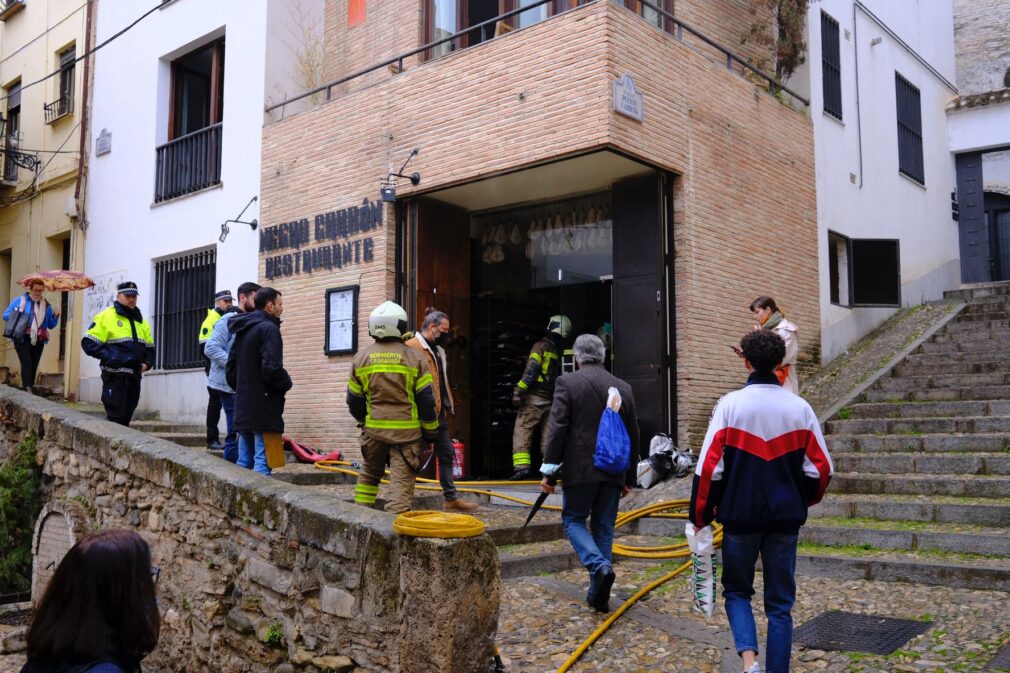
{"x":754,"y":668}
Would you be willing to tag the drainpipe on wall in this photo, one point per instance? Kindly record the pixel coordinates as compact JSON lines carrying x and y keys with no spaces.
{"x":859,"y":123}
{"x":71,"y":373}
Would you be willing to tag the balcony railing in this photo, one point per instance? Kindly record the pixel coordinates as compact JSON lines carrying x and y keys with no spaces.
{"x":9,"y":8}
{"x":679,"y":29}
{"x":10,"y":166}
{"x":188,"y":164}
{"x":60,"y":107}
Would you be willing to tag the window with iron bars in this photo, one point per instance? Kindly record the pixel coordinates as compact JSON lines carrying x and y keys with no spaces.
{"x":183,"y":291}
{"x":831,"y":66}
{"x":909,"y":109}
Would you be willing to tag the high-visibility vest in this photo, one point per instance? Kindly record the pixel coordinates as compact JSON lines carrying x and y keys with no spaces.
{"x":208,"y":324}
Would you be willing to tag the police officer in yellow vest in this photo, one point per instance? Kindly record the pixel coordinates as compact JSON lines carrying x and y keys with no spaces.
{"x":534,"y":392}
{"x":390,"y":394}
{"x":121,"y":339}
{"x":222,"y":304}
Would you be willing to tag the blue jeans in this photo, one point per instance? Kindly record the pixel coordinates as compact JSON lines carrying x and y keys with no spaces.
{"x":600,"y":501}
{"x":778,"y":560}
{"x":252,"y":452}
{"x":231,"y":441}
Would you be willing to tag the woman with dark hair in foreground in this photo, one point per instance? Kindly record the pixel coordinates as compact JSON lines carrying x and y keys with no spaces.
{"x":99,"y":613}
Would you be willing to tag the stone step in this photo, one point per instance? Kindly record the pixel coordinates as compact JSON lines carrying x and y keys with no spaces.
{"x":994,"y":290}
{"x":988,"y":464}
{"x":928,"y":409}
{"x":908,"y":537}
{"x":966,"y":511}
{"x":937,"y":394}
{"x":960,"y":571}
{"x":979,"y":323}
{"x":945,"y":443}
{"x":995,"y":308}
{"x":972,"y":335}
{"x":98,"y":411}
{"x":962,"y":345}
{"x":154,"y":426}
{"x":889,"y":426}
{"x":961,"y":485}
{"x":50,"y":380}
{"x":995,"y":355}
{"x":193,"y":439}
{"x":943,"y":381}
{"x":945,"y":367}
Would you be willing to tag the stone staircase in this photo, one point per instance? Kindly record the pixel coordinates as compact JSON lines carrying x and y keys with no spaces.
{"x":922,"y":461}
{"x":151,"y":423}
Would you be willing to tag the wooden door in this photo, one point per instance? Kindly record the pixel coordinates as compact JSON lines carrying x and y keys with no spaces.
{"x":442,"y":281}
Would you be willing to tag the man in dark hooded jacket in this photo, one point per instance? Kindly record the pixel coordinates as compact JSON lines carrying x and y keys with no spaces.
{"x":256,"y":373}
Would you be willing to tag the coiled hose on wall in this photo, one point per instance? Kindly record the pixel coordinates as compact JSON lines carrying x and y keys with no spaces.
{"x":451,"y":525}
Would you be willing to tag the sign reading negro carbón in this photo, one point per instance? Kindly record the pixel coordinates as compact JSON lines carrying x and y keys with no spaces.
{"x":343,"y":227}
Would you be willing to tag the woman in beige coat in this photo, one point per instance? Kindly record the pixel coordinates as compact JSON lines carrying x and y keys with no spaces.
{"x":770,"y":319}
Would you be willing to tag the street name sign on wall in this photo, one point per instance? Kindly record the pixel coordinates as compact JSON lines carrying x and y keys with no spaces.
{"x":103,"y":144}
{"x":628,"y":100}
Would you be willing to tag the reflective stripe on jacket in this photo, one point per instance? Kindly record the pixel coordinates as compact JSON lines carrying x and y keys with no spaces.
{"x":121,"y":339}
{"x":542,"y":369}
{"x":390,"y":393}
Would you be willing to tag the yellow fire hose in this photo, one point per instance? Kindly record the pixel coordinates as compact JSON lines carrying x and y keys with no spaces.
{"x":450,"y":525}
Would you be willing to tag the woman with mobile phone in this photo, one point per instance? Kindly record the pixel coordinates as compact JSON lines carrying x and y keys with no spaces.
{"x":771,"y":319}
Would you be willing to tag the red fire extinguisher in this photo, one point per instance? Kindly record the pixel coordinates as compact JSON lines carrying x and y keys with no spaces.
{"x":458,"y":462}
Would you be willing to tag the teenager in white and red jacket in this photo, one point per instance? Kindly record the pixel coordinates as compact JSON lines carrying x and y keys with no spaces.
{"x":763,"y":463}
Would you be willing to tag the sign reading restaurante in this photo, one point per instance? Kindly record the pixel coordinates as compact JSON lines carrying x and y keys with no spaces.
{"x":338,"y":225}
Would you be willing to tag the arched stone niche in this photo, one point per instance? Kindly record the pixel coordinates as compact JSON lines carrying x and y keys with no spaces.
{"x":60,"y":525}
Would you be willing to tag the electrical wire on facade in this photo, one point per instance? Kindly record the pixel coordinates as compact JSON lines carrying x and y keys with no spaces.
{"x":33,"y":190}
{"x":91,"y":51}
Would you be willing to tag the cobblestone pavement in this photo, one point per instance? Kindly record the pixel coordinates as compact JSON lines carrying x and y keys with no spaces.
{"x":544,"y":619}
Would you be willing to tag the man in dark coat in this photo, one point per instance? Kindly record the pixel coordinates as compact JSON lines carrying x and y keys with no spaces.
{"x":256,"y":373}
{"x":579,"y":401}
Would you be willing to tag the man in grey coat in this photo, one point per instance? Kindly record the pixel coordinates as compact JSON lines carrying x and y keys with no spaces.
{"x":217,"y":349}
{"x":579,"y":401}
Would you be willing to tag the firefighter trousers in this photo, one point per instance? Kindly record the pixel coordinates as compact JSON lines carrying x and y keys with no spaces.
{"x":530,"y":421}
{"x":404,"y":460}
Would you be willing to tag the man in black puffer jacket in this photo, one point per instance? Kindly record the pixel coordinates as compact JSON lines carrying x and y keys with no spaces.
{"x":256,"y":373}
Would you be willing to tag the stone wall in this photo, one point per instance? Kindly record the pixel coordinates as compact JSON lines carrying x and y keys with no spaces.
{"x":263,"y":576}
{"x":982,"y":43}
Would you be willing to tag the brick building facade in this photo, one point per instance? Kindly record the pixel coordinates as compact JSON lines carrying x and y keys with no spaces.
{"x":673,"y":223}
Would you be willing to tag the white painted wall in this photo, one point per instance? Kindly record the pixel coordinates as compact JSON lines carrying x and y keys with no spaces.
{"x":882,"y":203}
{"x":979,"y":128}
{"x":996,"y":171}
{"x":126,"y":231}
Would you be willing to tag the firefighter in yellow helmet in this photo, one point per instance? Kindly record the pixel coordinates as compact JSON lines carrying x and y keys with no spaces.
{"x":390,"y":394}
{"x":534,"y":392}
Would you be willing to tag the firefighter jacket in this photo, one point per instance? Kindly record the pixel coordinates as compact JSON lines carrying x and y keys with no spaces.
{"x":121,"y":339}
{"x":434,"y":355}
{"x":542,"y":368}
{"x":390,"y":393}
{"x":213,"y":315}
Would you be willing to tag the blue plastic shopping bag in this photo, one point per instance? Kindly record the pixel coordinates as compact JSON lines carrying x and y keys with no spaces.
{"x":613,"y":446}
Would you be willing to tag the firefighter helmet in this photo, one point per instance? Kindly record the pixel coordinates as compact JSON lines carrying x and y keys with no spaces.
{"x":560,"y":324}
{"x":387,"y":321}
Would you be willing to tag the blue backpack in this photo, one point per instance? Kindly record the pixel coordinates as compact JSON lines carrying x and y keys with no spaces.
{"x":613,"y":445}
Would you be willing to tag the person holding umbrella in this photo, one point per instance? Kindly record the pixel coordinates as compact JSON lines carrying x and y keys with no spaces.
{"x":33,"y":318}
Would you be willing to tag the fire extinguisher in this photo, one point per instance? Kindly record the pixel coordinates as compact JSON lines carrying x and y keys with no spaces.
{"x":459,"y":458}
